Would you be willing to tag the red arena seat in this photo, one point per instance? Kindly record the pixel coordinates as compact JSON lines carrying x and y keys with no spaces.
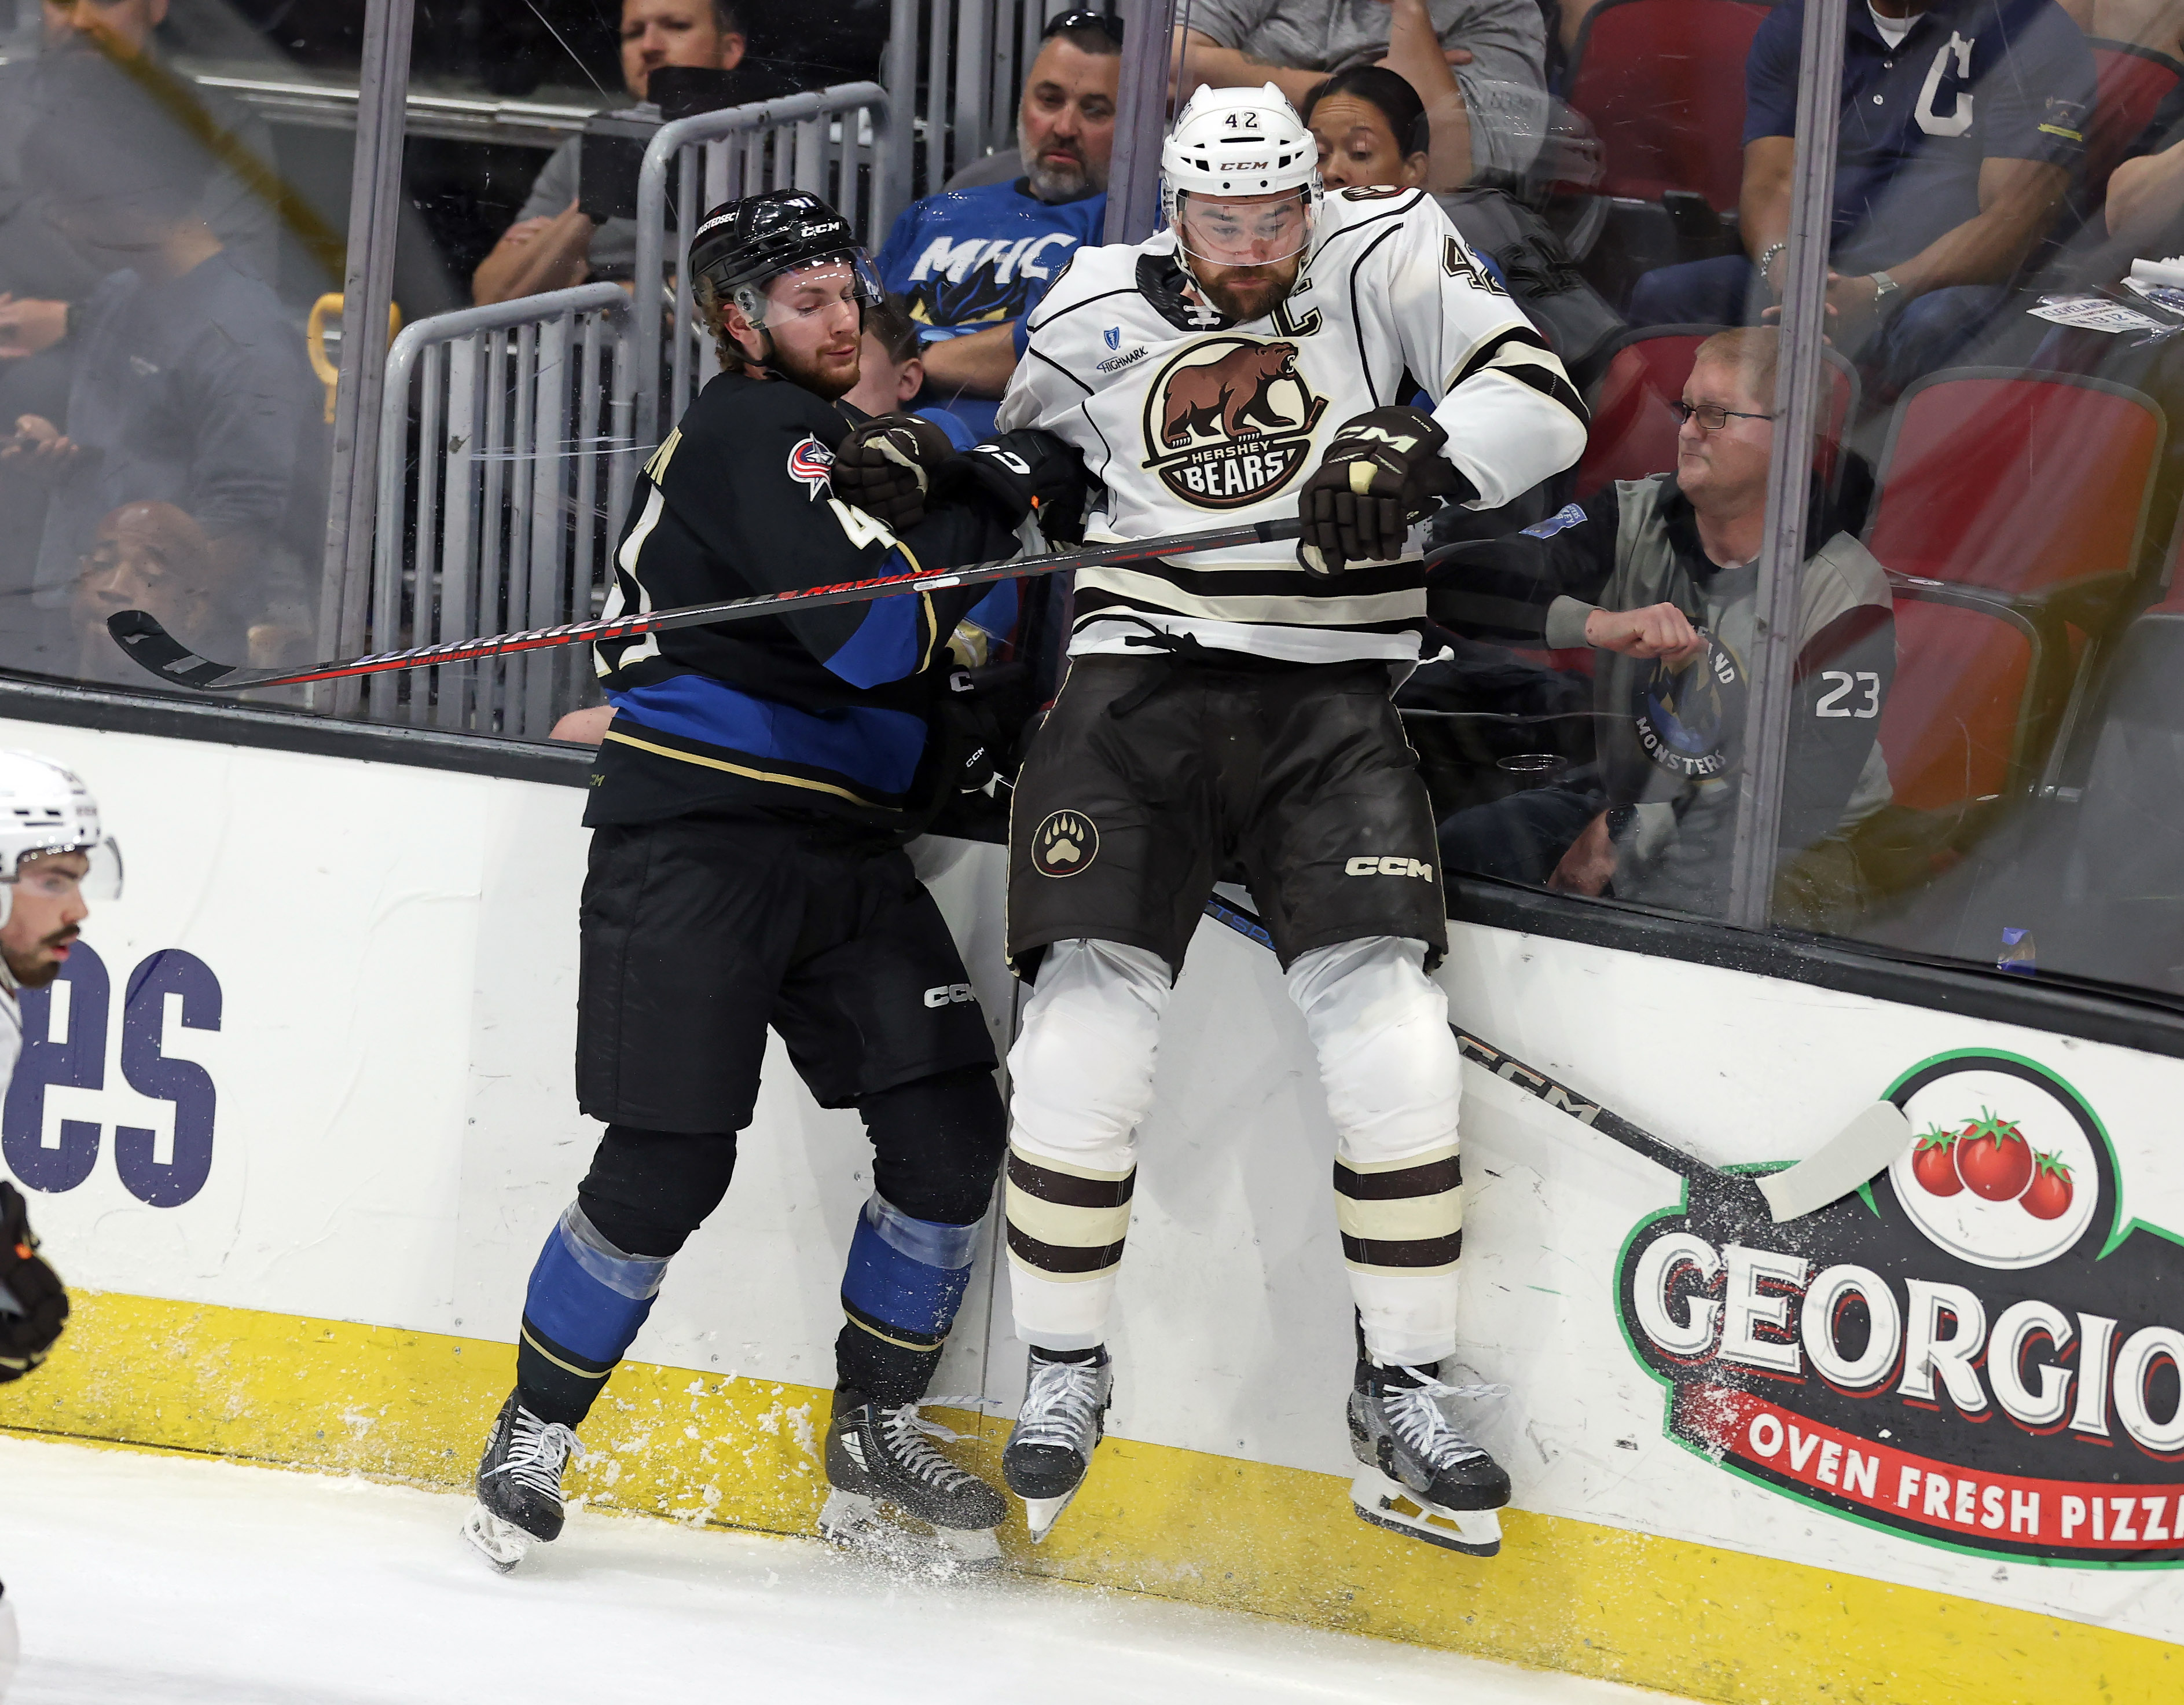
{"x":2132,"y":83}
{"x":2024,"y":484}
{"x":1957,"y":722}
{"x":1662,"y":82}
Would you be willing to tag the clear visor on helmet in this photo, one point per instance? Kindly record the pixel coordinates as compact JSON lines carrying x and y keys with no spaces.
{"x":94,"y":872}
{"x":1257,"y":231}
{"x":830,"y":285}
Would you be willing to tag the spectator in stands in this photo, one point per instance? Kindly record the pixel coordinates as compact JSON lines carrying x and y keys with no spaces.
{"x":553,"y":243}
{"x":1962,"y":123}
{"x":188,"y":384}
{"x":972,"y":263}
{"x":1657,"y":576}
{"x":2146,"y":192}
{"x":1373,"y":129}
{"x":40,"y":276}
{"x":1492,"y":116}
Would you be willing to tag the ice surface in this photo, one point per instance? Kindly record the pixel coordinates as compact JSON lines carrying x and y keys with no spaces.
{"x":148,"y":1579}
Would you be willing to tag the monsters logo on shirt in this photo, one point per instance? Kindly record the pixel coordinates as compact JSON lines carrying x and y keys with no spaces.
{"x":813,"y":464}
{"x":1690,"y":721}
{"x":1229,"y":421}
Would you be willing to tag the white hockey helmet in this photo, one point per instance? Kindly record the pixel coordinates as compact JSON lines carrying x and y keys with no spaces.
{"x":1236,"y":142}
{"x":45,"y":808}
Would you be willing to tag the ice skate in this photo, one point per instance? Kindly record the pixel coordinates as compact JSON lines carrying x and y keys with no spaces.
{"x":885,"y":1473}
{"x":1064,"y":1415}
{"x":1423,"y":1478}
{"x":519,"y":1486}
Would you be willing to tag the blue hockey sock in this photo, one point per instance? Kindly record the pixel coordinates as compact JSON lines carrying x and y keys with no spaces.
{"x":586,"y":1301}
{"x":905,"y":1278}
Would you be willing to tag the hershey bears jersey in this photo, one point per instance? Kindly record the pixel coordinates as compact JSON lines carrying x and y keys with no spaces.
{"x":1189,"y":420}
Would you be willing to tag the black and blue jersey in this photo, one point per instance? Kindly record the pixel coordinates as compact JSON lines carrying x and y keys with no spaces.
{"x":825,"y":712}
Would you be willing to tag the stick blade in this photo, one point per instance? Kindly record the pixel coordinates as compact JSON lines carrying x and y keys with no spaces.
{"x":1866,"y":1145}
{"x":139,"y":635}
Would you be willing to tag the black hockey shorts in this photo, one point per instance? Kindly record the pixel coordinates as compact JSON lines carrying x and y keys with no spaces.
{"x":1152,"y":779}
{"x":697,"y":935}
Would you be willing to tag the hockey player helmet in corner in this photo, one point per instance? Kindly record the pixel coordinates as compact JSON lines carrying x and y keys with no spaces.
{"x":1240,"y":184}
{"x":54,"y":857}
{"x":780,"y":279}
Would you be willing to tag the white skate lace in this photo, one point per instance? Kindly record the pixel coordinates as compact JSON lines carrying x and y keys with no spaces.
{"x":1417,"y":1414}
{"x":536,"y":1450}
{"x":905,"y":1431}
{"x":1061,"y":1406}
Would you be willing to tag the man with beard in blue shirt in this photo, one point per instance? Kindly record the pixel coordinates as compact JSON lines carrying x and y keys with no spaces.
{"x":972,"y":263}
{"x":1963,"y":122}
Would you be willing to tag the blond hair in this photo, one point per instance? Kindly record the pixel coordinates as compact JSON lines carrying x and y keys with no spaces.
{"x":1752,"y":352}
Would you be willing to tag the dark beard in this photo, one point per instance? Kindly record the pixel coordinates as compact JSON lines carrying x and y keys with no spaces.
{"x":809,"y":377}
{"x":38,"y":976}
{"x":1267,"y":294}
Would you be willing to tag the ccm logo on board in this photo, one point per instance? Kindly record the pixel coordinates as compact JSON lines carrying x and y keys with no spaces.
{"x":69,"y":1054}
{"x":951,"y":994}
{"x":1371,"y":865}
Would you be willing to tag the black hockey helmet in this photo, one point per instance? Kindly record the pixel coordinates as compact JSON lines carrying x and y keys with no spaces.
{"x":742,"y":246}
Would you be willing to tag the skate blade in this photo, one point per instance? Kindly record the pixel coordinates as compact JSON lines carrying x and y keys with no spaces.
{"x":503,"y":1544}
{"x":1388,"y":1503}
{"x":861,"y":1523}
{"x":1040,"y":1514}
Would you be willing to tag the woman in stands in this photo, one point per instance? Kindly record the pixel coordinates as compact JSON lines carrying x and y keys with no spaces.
{"x":1373,"y":129}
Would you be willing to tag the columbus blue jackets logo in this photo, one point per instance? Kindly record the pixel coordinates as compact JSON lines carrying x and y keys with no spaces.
{"x":812,"y":463}
{"x":1690,"y":721}
{"x":1063,"y":844}
{"x":1229,"y":421}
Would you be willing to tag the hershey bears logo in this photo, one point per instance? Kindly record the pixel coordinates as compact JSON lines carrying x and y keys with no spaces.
{"x":1064,"y":844}
{"x":1229,"y":421}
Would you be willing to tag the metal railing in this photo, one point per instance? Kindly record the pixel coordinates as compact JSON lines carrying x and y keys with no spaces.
{"x":975,"y":52}
{"x":503,"y":513}
{"x":836,"y":142}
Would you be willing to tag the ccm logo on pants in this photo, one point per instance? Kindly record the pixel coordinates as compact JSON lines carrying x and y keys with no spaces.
{"x":1369,"y":866}
{"x":950,"y":994}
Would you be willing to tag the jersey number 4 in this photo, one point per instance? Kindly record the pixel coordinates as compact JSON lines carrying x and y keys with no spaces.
{"x":1457,"y":261}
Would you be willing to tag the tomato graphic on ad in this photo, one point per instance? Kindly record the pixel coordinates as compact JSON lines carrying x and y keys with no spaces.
{"x":1934,"y":1163}
{"x":1994,"y":1160}
{"x":2049,"y":1195}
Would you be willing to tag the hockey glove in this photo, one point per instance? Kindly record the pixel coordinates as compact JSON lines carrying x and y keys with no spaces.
{"x":32,"y":1304}
{"x":1384,"y":472}
{"x":1031,"y":472}
{"x":886,"y":466}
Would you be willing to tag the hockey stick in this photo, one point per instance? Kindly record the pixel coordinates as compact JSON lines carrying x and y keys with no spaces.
{"x":143,"y":639}
{"x":1867,"y":1144}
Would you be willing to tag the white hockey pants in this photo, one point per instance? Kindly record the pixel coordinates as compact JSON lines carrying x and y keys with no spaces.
{"x":1081,"y":1071}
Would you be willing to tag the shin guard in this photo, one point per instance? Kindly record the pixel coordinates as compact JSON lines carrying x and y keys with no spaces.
{"x":586,"y":1301}
{"x":904,"y":1280}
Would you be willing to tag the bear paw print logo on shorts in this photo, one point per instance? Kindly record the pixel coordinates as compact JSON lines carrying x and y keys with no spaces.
{"x":1064,"y":844}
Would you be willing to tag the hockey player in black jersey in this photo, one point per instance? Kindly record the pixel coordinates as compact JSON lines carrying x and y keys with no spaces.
{"x":751,"y":798}
{"x":1257,"y":359}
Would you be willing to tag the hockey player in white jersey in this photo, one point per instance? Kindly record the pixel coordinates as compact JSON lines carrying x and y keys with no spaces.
{"x":1231,"y":717}
{"x":53,"y":860}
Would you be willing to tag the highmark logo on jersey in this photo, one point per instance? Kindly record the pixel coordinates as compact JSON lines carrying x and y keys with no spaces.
{"x":1229,"y":421}
{"x":1977,"y":1350}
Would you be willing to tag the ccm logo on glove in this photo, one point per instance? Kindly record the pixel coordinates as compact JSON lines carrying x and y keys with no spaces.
{"x":951,"y":994}
{"x":1371,"y":865}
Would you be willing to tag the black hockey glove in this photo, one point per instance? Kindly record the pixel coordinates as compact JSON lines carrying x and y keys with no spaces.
{"x":32,"y":1304}
{"x":1383,"y":472}
{"x":1031,"y":472}
{"x":886,"y":466}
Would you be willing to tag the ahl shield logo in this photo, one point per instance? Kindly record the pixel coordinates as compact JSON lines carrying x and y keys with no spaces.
{"x":1229,"y":421}
{"x":1977,"y":1350}
{"x":1064,"y":844}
